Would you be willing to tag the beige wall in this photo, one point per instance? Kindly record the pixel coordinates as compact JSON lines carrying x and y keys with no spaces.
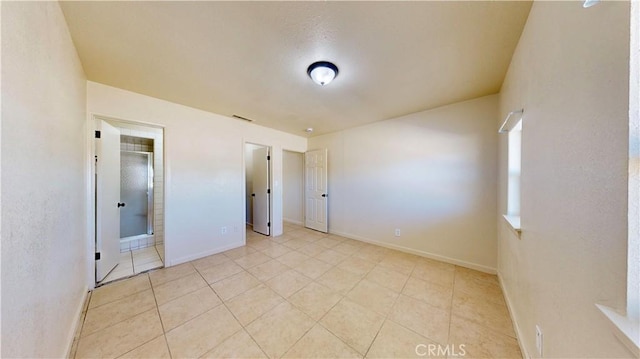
{"x":292,"y":187}
{"x":431,"y":174}
{"x":570,"y":74}
{"x":44,"y":273}
{"x":204,"y":169}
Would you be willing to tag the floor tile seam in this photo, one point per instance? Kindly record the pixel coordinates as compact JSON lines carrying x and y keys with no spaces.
{"x":202,"y":277}
{"x":148,"y":251}
{"x":263,"y":314}
{"x":426,"y":302}
{"x":154,"y":338}
{"x":131,"y":260}
{"x":235,"y":295}
{"x":184,"y":294}
{"x":174,"y":279}
{"x":342,"y":296}
{"x":120,"y":298}
{"x":491,"y":303}
{"x":202,"y":269}
{"x":193,"y":319}
{"x":252,"y":266}
{"x":502,"y":303}
{"x":224,"y":338}
{"x":244,"y":328}
{"x":432,"y":306}
{"x":302,"y":336}
{"x":83,"y":318}
{"x":149,"y":269}
{"x":303,"y":313}
{"x":146,"y":309}
{"x":111,"y":326}
{"x":272,"y":257}
{"x":147,"y":261}
{"x":453,"y":289}
{"x":336,"y":335}
{"x":190,"y":319}
{"x":481,"y":324}
{"x":144,"y":261}
{"x":227,"y":277}
{"x":386,"y":317}
{"x":313,"y":279}
{"x":159,"y":316}
{"x":414,"y":332}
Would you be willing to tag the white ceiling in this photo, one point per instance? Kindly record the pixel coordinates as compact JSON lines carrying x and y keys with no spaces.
{"x":250,"y":58}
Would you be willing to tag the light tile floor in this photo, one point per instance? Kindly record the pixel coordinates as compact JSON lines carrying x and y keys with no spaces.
{"x":303,"y":294}
{"x":134,"y":262}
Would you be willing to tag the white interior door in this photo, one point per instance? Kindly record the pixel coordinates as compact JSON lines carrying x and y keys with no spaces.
{"x":107,"y":200}
{"x":261,"y":193}
{"x":315,"y":178}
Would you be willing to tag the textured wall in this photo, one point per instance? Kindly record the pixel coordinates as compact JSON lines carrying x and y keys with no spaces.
{"x":203,"y":167}
{"x":570,"y":73}
{"x":43,"y":171}
{"x":431,"y":174}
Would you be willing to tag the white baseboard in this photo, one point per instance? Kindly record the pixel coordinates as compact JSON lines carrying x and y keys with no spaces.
{"x":190,"y":258}
{"x":293,"y":221}
{"x":516,"y":327}
{"x":478,"y":267}
{"x":77,"y":317}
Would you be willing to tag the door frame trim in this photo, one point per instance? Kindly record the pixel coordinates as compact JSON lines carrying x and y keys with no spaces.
{"x":90,"y":190}
{"x":246,"y":142}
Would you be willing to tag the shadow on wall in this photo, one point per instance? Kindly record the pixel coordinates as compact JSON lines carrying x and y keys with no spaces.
{"x":433,"y":175}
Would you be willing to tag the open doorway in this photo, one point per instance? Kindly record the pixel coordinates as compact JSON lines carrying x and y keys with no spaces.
{"x":129,"y":206}
{"x":258,"y":188}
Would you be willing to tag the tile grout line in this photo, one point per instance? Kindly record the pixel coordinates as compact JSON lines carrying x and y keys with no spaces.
{"x":308,"y":241}
{"x":133,"y":316}
{"x":164,"y":336}
{"x":316,"y":322}
{"x":222,"y":302}
{"x":133,"y":264}
{"x":453,"y":289}
{"x":386,"y":317}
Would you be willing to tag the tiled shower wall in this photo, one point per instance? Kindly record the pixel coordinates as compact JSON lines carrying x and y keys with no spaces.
{"x":130,"y":143}
{"x":147,"y":139}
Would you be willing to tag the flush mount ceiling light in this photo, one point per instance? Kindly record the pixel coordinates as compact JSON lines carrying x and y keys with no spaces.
{"x":309,"y":130}
{"x":322,"y":72}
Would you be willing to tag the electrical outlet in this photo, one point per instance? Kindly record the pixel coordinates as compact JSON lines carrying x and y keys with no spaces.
{"x":223,"y":230}
{"x":397,"y":232}
{"x":539,"y":340}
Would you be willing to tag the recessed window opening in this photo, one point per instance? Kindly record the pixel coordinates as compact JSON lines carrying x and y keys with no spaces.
{"x":514,"y":169}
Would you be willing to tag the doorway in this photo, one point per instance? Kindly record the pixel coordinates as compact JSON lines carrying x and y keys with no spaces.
{"x":129,"y":191}
{"x":258,"y":188}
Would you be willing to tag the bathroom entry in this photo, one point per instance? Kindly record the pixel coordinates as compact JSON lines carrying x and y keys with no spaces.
{"x":258,"y":188}
{"x":129,"y":207}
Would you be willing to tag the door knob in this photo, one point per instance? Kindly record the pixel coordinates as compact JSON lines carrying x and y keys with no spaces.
{"x":253,"y":195}
{"x":324,"y":195}
{"x":121,"y":204}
